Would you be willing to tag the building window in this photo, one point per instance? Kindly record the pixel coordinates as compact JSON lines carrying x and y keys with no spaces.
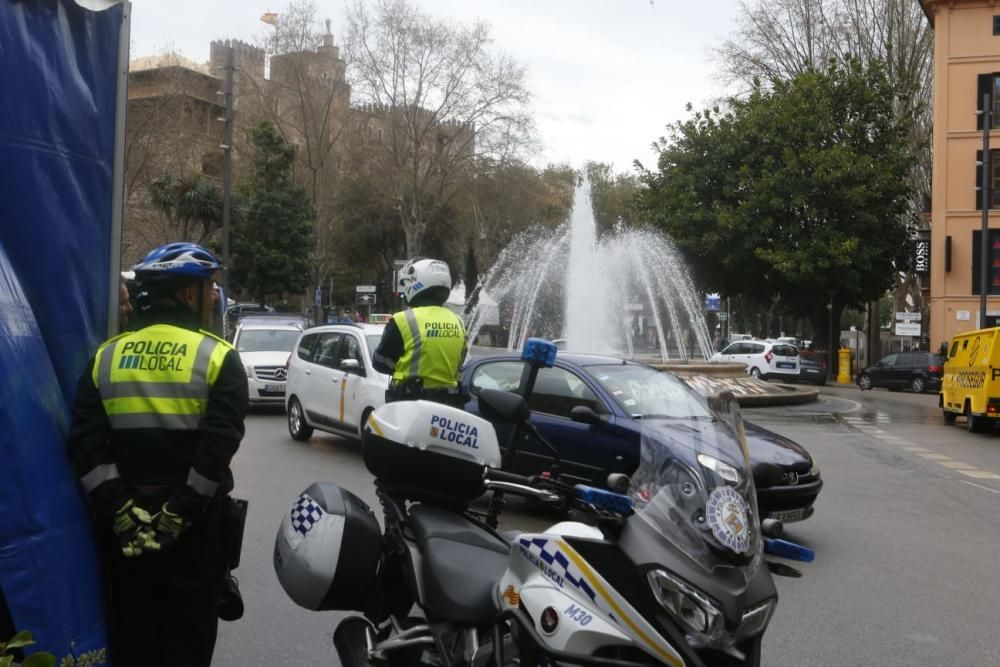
{"x":995,"y":181}
{"x":996,"y":25}
{"x":993,"y":257}
{"x":988,"y":84}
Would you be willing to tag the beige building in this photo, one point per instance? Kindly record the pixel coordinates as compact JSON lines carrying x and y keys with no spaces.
{"x":966,"y":64}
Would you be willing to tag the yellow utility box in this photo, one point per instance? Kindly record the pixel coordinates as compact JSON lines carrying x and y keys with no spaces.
{"x":844,"y":366}
{"x":971,"y":382}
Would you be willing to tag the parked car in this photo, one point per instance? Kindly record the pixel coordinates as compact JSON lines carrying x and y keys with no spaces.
{"x":812,"y":367}
{"x":917,"y":371}
{"x":332,"y":385}
{"x":585,"y":406}
{"x":264,"y":348}
{"x":762,"y":358}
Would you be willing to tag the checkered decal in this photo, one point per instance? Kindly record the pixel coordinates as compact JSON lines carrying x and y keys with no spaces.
{"x":305,"y":514}
{"x":558,"y":561}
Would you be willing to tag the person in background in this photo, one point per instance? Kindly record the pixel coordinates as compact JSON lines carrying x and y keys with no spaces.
{"x":124,"y":306}
{"x":157,"y":419}
{"x":423,"y":347}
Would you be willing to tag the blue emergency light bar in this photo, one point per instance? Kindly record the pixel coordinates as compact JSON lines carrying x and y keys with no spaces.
{"x":785,"y":549}
{"x":539,"y":351}
{"x":605,"y":500}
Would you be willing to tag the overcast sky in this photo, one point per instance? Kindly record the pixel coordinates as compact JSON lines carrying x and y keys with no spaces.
{"x":606,"y":76}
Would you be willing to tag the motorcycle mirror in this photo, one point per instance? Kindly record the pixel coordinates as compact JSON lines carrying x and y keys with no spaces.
{"x":539,"y":352}
{"x":619,"y":482}
{"x":503,"y":406}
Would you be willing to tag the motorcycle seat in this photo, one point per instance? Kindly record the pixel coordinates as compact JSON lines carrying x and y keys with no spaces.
{"x":461,"y":565}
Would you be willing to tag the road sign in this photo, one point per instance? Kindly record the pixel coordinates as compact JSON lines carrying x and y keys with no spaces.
{"x":365,"y":289}
{"x":366,"y":299}
{"x":909,"y":317}
{"x":712,"y":302}
{"x":907,"y":328}
{"x":723,"y":316}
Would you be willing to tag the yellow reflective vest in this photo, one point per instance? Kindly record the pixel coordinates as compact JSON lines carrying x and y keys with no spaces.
{"x":158,"y":377}
{"x":433,"y":346}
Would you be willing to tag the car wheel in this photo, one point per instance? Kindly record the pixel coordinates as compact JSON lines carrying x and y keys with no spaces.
{"x":864,"y":381}
{"x":297,"y":426}
{"x":755,"y":372}
{"x":973,"y":423}
{"x":949,"y":417}
{"x":918,"y":384}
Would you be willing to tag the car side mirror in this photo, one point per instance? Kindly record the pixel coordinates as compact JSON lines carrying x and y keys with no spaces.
{"x":350,"y":365}
{"x":585,"y":415}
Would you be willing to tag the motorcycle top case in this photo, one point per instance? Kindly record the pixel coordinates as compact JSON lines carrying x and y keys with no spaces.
{"x":327,"y":550}
{"x":423,"y":449}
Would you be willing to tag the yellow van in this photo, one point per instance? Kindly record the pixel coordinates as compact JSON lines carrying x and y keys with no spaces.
{"x":971,"y":383}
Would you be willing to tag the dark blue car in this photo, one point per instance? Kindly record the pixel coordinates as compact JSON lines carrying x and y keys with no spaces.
{"x":585,"y":406}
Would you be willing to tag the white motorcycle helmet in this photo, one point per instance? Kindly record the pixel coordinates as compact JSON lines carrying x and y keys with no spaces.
{"x":421,"y":274}
{"x":327,"y":550}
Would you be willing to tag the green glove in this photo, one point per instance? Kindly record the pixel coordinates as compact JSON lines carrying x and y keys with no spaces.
{"x":134,"y":528}
{"x":168,"y":526}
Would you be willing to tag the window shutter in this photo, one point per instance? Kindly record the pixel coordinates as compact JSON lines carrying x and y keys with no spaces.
{"x":985,"y":84}
{"x":979,"y":181}
{"x":976,"y":240}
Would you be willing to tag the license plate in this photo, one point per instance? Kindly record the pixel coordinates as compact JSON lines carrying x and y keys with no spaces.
{"x":276,"y":388}
{"x":785,"y":364}
{"x":788,"y":515}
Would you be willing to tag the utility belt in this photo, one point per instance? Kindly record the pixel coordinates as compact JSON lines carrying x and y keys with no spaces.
{"x":413,"y":389}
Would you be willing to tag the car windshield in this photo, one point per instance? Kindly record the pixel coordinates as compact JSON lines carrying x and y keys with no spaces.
{"x":267,"y":340}
{"x":632,"y":386}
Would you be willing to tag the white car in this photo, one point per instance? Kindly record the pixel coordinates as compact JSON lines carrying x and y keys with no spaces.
{"x":264,"y":348}
{"x":763,"y":359}
{"x":332,"y":385}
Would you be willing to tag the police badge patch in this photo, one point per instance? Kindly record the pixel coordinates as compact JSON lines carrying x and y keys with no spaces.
{"x":728,"y":517}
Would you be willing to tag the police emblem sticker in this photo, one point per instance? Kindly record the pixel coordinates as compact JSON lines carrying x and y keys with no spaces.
{"x":728,"y":517}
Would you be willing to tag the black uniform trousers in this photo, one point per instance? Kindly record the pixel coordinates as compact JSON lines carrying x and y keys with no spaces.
{"x":164,"y":606}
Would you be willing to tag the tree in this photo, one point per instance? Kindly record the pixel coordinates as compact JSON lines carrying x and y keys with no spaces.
{"x":797,"y":191}
{"x":613,"y":196}
{"x":191,"y":205}
{"x":272,"y":238}
{"x":437,"y":100}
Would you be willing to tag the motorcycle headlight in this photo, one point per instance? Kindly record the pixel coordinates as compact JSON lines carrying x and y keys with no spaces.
{"x":249,"y":370}
{"x":722,"y":469}
{"x":689,"y":606}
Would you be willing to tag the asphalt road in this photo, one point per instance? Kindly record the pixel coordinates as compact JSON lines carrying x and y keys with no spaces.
{"x":906,"y":532}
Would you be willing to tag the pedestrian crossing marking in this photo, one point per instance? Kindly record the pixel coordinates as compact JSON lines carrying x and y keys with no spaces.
{"x":933,"y":457}
{"x":956,"y":465}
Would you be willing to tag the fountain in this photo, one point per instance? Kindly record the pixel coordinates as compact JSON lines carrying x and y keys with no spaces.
{"x":628,"y":293}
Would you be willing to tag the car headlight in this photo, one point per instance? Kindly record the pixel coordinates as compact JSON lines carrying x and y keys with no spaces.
{"x":722,"y":469}
{"x":689,"y":606}
{"x":249,"y":371}
{"x":814,"y":471}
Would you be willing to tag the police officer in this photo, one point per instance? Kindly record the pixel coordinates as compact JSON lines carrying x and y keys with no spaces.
{"x":423,"y":347}
{"x":157,"y":418}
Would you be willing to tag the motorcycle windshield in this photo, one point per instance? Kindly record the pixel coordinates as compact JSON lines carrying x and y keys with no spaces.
{"x":694,"y":484}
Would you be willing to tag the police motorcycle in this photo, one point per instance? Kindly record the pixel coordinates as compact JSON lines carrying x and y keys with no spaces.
{"x":669,"y":574}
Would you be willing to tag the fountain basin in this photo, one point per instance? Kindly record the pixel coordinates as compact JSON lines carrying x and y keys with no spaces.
{"x":708,"y":379}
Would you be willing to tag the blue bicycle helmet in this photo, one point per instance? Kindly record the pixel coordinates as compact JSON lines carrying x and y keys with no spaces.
{"x":177,"y":261}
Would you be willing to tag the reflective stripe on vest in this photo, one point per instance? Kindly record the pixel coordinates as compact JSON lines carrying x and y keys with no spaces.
{"x":158,"y":377}
{"x":433,"y":342}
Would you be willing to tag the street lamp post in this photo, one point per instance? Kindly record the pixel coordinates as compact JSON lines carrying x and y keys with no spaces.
{"x":833,"y":351}
{"x":984,"y":245}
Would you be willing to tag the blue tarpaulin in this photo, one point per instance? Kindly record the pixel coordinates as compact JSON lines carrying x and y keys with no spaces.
{"x":60,"y":66}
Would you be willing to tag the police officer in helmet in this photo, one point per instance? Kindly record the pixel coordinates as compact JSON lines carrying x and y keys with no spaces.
{"x":158,"y":417}
{"x":423,"y":347}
